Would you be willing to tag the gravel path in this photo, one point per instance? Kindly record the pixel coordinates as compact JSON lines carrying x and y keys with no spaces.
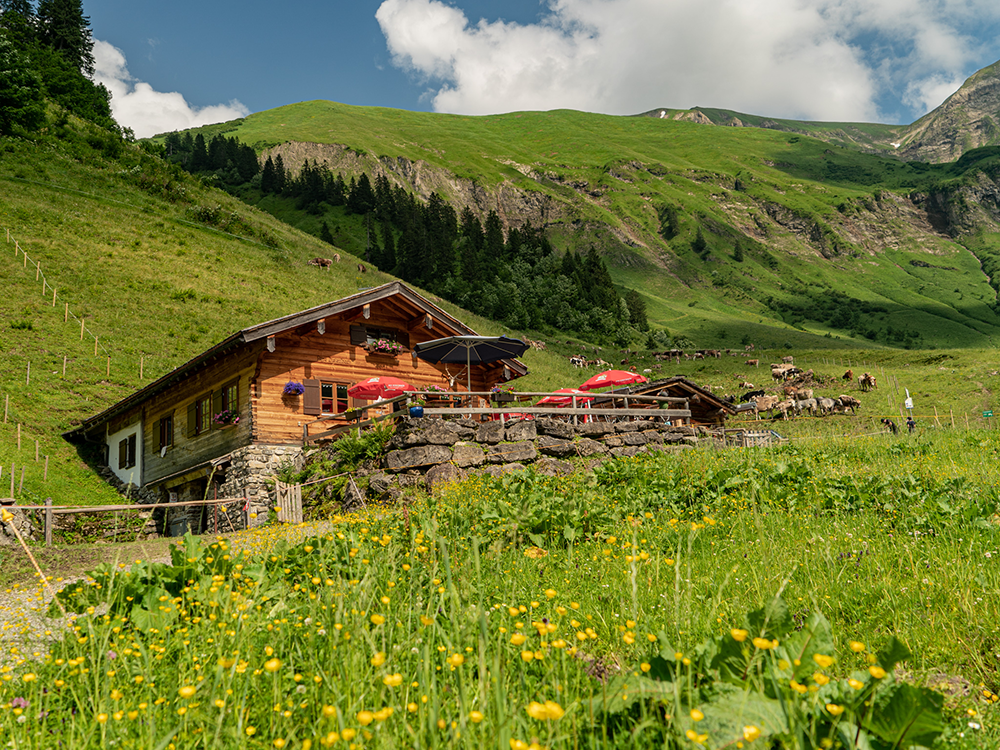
{"x":25,"y":631}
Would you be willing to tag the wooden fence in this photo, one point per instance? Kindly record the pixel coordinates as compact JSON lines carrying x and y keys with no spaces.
{"x":49,"y":511}
{"x":460,"y":403}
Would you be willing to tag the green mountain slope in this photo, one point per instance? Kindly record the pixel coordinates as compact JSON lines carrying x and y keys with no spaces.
{"x":803,"y":240}
{"x":158,"y":268}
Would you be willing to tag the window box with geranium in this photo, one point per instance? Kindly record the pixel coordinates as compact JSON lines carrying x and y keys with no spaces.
{"x":384,"y":346}
{"x":226,"y":417}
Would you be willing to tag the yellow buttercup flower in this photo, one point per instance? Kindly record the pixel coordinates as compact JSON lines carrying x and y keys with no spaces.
{"x":378,"y":620}
{"x":834,"y":709}
{"x":739,"y":634}
{"x":751,"y":732}
{"x":518,"y":638}
{"x":823,"y":660}
{"x":856,"y":684}
{"x":856,"y":646}
{"x":876,"y":671}
{"x":475,"y":717}
{"x":764,"y":644}
{"x":379,"y":659}
{"x":393,"y":680}
{"x":695,"y":737}
{"x":365,"y":718}
{"x":697,"y":715}
{"x":548,"y":711}
{"x":188,"y":691}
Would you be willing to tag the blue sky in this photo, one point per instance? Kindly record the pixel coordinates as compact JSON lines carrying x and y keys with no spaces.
{"x":180,"y":64}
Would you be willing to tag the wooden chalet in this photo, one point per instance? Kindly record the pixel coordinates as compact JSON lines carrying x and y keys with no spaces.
{"x":707,"y":409}
{"x":226,"y":416}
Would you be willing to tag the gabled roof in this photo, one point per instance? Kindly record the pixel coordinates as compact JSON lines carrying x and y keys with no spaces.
{"x":395,"y":293}
{"x":679,"y":384}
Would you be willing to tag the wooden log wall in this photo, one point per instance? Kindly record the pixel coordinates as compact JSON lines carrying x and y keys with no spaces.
{"x":190,"y":451}
{"x":330,"y":357}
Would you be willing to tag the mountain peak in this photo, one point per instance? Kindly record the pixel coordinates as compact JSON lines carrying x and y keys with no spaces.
{"x":968,"y":119}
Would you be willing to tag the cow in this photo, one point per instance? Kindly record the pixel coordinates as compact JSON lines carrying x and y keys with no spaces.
{"x":362,"y":268}
{"x":748,"y":348}
{"x":848,"y":402}
{"x":867,"y":382}
{"x":788,"y":360}
{"x":577,"y":361}
{"x":848,"y":376}
{"x":746,"y":385}
{"x":804,"y":393}
{"x":806,"y":404}
{"x":826,"y":405}
{"x":321,"y":262}
{"x":764,"y":403}
{"x":753,"y":362}
{"x":785,"y":406}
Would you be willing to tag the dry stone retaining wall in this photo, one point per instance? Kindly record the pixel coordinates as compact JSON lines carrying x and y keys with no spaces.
{"x":437,"y":451}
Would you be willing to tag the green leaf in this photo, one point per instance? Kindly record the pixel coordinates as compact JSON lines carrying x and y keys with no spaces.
{"x":816,"y":637}
{"x":894,"y":652}
{"x":731,"y":709}
{"x":905,"y":715}
{"x":624,"y":690}
{"x":772,"y":620}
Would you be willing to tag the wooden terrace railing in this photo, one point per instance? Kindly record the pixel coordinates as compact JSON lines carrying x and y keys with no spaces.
{"x":609,"y":407}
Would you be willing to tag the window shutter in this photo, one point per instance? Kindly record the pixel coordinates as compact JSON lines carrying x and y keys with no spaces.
{"x":158,"y":432}
{"x":192,"y":423}
{"x":123,"y":454}
{"x":131,"y":450}
{"x":312,"y":400}
{"x":359,"y":335}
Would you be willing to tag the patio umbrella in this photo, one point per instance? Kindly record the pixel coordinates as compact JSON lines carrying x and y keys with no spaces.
{"x":581,"y":397}
{"x":470,"y":350}
{"x":382,"y":386}
{"x":612,"y":377}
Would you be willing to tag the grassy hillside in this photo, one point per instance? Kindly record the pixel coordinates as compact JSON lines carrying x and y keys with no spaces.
{"x":790,"y":222}
{"x":159,"y":267}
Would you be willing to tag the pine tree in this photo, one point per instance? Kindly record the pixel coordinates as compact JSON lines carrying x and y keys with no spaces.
{"x":62,"y":26}
{"x":268,"y":179}
{"x":199,"y":156}
{"x":324,"y":233}
{"x":280,"y":175}
{"x":361,"y":199}
{"x":388,"y":247}
{"x":17,"y":18}
{"x":22,"y":103}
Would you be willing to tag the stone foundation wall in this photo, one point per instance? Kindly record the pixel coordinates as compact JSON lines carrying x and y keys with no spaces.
{"x":429,"y":451}
{"x":249,"y":471}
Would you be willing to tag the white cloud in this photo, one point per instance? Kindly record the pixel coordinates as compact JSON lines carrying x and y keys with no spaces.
{"x":814,"y":59}
{"x":137,"y":105}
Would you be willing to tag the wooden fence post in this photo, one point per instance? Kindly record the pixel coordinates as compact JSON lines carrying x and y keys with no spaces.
{"x":48,"y":522}
{"x":27,"y":376}
{"x":81,"y":328}
{"x":6,"y":407}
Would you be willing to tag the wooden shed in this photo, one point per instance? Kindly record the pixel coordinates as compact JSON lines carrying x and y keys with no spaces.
{"x":707,"y":409}
{"x":227,"y":417}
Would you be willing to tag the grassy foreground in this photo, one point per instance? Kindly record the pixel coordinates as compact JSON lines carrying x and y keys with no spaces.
{"x":633,"y":606}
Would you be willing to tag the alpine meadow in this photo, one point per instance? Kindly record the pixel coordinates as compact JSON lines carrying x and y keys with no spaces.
{"x":802,"y":570}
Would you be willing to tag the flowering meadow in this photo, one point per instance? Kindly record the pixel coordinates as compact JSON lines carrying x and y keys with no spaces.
{"x":843,"y":595}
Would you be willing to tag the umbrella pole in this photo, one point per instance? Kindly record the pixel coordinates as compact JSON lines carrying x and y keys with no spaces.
{"x":468,"y":375}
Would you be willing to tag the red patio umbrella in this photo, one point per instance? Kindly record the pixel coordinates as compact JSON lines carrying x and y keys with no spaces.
{"x":612,"y":377}
{"x":581,"y":397}
{"x":381,"y":386}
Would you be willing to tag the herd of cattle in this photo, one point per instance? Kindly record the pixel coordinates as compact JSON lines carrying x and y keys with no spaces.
{"x":798,"y":399}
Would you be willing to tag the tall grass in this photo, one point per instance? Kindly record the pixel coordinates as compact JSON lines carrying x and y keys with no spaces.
{"x":465,"y":620}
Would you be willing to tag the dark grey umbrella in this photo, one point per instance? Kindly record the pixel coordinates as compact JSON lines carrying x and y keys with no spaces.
{"x":470,"y":350}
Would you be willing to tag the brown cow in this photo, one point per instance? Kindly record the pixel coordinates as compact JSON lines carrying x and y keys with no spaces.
{"x":848,"y":376}
{"x":753,"y":362}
